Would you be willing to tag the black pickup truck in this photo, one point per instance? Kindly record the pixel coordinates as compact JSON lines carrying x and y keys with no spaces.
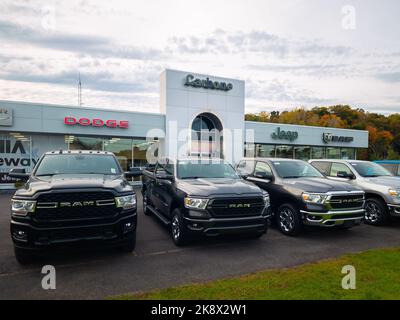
{"x":72,"y":197}
{"x":301,"y":195}
{"x":207,"y":197}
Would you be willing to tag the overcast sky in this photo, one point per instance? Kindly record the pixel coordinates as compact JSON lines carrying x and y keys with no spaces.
{"x":290,"y":52}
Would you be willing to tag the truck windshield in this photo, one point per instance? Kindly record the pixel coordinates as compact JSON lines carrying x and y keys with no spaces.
{"x":193,"y":169}
{"x":77,"y":164}
{"x":370,"y":169}
{"x":295,"y":169}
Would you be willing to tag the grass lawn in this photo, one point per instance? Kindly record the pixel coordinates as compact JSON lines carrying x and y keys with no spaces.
{"x":377,"y":277}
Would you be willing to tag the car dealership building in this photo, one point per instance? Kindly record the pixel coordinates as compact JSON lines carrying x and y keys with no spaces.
{"x":200,"y":115}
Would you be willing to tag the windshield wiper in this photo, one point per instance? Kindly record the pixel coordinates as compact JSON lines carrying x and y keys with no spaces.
{"x":291,"y":177}
{"x":191,"y":177}
{"x":376,"y":175}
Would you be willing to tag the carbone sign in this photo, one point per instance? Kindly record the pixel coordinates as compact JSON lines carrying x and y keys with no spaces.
{"x":191,"y":81}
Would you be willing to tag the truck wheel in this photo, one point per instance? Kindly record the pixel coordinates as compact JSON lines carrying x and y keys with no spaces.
{"x":146,"y":210}
{"x":130,"y":244}
{"x":22,"y":256}
{"x":288,"y":220}
{"x":178,"y":231}
{"x":376,"y":212}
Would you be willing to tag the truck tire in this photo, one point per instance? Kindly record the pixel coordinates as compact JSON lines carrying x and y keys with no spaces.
{"x":288,"y":220}
{"x":376,"y":212}
{"x":179,"y":233}
{"x":146,"y":210}
{"x":22,"y":256}
{"x":130,"y":244}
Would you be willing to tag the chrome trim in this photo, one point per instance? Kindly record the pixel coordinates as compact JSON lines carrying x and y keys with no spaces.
{"x":394,"y":209}
{"x":250,"y":226}
{"x":227,"y":219}
{"x":55,"y":205}
{"x":324,"y":223}
{"x":336,"y":213}
{"x":107,"y":202}
{"x":47,"y":205}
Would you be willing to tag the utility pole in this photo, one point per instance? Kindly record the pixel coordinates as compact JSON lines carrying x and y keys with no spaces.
{"x":79,"y":90}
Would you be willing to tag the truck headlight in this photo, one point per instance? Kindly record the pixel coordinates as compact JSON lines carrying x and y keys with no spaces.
{"x":267,"y":201}
{"x":394,"y":193}
{"x":316,"y":198}
{"x":195,"y":203}
{"x":126,"y":202}
{"x":22,"y":207}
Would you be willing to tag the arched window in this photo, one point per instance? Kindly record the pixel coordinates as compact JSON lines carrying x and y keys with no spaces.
{"x":206,"y":136}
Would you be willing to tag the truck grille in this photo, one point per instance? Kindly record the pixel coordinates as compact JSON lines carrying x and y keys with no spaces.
{"x":74,"y":205}
{"x":338,"y":202}
{"x":236,"y":207}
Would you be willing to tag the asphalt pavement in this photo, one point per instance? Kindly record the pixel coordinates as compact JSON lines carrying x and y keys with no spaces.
{"x":158,"y":263}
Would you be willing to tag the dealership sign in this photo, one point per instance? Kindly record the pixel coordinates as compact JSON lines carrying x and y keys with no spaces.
{"x":329,"y":137}
{"x":284,"y":135}
{"x":14,"y":153}
{"x":191,"y":81}
{"x":6,"y":117}
{"x":86,"y":122}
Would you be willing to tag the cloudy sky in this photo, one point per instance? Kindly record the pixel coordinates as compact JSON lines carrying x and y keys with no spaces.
{"x":290,"y":52}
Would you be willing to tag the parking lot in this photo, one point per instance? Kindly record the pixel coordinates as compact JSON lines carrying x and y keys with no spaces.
{"x":157,"y":263}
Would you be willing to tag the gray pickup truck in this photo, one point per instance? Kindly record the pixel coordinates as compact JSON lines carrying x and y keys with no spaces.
{"x":382,"y":189}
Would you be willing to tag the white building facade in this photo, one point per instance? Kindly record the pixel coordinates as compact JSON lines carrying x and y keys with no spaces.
{"x":200,"y":115}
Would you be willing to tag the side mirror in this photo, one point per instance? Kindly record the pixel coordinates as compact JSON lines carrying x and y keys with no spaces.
{"x":19,"y":174}
{"x":263,"y":175}
{"x":133,"y":172}
{"x":345,"y":175}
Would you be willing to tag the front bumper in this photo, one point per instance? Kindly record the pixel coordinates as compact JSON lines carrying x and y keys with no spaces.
{"x":332,"y":218}
{"x":394,"y":209}
{"x":30,"y":237}
{"x":218,"y":226}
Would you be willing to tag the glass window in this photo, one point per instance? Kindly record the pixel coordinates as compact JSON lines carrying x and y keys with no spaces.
{"x":249,"y":150}
{"x":398,"y":170}
{"x":245,"y":167}
{"x":322,"y":166}
{"x":295,"y":169}
{"x":339,"y":167}
{"x":370,"y":169}
{"x":284,"y":152}
{"x":302,"y":153}
{"x":265,"y":150}
{"x":85,"y":143}
{"x":193,"y":169}
{"x":332,"y":153}
{"x":206,"y":139}
{"x":389,"y":166}
{"x":141,"y":149}
{"x":347,"y":153}
{"x":122,"y":148}
{"x":317,"y":153}
{"x":262,"y":168}
{"x":77,"y":164}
